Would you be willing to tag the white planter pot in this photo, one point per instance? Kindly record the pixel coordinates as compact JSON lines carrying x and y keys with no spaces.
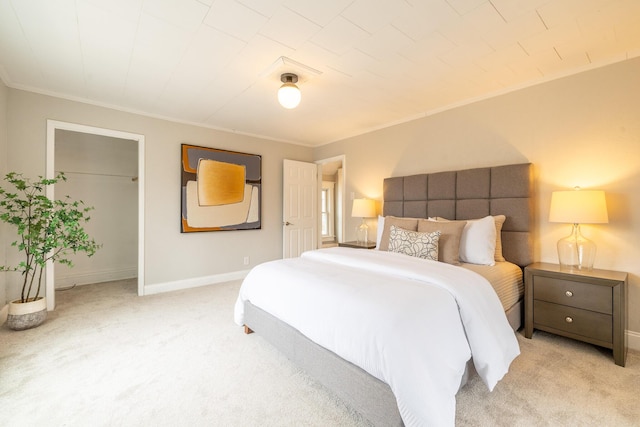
{"x":26,"y":315}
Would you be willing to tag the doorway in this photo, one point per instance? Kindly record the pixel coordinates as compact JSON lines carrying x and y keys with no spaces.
{"x":115,"y":180}
{"x":332,"y":200}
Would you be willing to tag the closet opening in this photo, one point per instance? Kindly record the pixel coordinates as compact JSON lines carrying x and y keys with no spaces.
{"x":105,"y":169}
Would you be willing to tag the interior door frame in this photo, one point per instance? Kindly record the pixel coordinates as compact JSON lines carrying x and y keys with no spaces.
{"x":52,"y":126}
{"x":343,"y":159}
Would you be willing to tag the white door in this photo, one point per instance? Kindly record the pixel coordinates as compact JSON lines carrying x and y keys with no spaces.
{"x":300,"y":207}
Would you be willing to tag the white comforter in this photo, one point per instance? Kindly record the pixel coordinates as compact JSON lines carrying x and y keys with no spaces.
{"x":409,"y":322}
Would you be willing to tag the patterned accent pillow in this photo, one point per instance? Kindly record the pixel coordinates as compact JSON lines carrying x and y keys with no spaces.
{"x":413,"y":243}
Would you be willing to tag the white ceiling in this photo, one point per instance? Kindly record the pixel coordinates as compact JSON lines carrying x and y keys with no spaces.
{"x":216,"y":62}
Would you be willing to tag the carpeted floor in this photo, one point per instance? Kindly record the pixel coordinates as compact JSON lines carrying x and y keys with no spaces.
{"x":106,"y":357}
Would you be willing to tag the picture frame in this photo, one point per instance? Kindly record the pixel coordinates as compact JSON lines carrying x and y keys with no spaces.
{"x":221,"y":190}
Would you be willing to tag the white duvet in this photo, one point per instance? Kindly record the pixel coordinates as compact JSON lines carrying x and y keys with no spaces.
{"x":409,"y":322}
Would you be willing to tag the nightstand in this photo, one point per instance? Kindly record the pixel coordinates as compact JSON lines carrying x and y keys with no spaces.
{"x":589,"y":306}
{"x":358,"y":245}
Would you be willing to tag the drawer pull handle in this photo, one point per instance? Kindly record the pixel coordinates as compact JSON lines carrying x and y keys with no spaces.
{"x":568,"y":319}
{"x":569,"y":293}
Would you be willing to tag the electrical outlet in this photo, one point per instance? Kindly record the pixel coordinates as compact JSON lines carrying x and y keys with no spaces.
{"x":246,"y":260}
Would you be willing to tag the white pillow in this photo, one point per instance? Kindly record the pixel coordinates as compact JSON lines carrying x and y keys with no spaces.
{"x":380,"y":230}
{"x":414,"y":243}
{"x":499,"y":220}
{"x":478,"y":241}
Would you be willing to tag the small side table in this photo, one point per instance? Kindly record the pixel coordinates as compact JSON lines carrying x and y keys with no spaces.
{"x":589,"y":306}
{"x":358,"y":245}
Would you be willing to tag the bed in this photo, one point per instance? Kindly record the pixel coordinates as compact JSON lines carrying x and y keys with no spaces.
{"x":362,"y":359}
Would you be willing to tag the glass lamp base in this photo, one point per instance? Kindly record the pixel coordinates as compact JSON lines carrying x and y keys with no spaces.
{"x":576,"y":252}
{"x":362,"y":233}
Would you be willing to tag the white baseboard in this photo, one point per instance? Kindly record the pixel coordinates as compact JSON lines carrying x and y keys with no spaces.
{"x":633,"y":340}
{"x":4,"y":312}
{"x":95,"y":277}
{"x":195,"y":282}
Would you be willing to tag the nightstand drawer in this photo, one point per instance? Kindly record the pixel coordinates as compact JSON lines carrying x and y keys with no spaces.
{"x":573,"y":320}
{"x":574,"y":294}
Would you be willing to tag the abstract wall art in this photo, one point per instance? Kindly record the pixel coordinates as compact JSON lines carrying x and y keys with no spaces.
{"x":221,"y":190}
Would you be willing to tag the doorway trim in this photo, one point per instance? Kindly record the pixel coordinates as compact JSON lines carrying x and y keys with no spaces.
{"x":52,"y":126}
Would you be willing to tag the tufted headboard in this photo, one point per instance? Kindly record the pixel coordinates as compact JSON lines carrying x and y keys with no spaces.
{"x":471,"y":193}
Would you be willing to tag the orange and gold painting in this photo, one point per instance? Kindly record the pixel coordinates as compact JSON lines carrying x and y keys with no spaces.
{"x":221,"y":190}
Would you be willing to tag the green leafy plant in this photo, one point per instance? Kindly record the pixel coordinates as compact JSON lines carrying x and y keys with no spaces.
{"x":48,"y":230}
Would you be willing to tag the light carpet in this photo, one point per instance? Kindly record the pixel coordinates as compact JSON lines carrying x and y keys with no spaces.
{"x":106,"y":357}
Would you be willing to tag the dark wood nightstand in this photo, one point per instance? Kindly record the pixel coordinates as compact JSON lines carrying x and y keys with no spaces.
{"x":358,"y":245}
{"x":589,"y":306}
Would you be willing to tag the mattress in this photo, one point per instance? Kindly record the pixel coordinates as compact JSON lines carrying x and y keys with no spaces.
{"x":505,"y":278}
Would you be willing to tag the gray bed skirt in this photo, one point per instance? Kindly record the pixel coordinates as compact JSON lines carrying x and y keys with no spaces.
{"x":365,"y":394}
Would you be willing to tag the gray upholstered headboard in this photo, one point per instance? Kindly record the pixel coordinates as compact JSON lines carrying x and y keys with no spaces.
{"x":472,"y":193}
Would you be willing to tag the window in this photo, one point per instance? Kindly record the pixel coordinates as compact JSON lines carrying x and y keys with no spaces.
{"x":327,"y":211}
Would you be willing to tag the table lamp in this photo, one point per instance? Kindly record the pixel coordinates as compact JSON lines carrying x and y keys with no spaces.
{"x":577,"y":207}
{"x":363,"y":208}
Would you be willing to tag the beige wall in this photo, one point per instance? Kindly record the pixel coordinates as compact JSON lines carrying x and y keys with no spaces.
{"x":580,"y":130}
{"x":170,"y":255}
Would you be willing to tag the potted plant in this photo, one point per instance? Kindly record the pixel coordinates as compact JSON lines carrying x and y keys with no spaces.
{"x":48,"y":230}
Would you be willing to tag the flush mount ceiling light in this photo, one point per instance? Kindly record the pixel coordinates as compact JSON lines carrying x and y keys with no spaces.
{"x":289,"y":95}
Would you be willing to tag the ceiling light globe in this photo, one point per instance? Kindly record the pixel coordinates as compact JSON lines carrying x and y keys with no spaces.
{"x":289,"y":95}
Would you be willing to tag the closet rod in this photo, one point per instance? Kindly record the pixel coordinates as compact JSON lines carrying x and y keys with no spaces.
{"x":133,"y":178}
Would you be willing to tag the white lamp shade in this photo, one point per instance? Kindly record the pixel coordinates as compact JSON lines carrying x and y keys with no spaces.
{"x":364,"y":208}
{"x":289,"y":95}
{"x":578,"y":207}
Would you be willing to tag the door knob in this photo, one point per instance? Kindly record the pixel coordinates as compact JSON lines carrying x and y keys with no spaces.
{"x":286,"y":223}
